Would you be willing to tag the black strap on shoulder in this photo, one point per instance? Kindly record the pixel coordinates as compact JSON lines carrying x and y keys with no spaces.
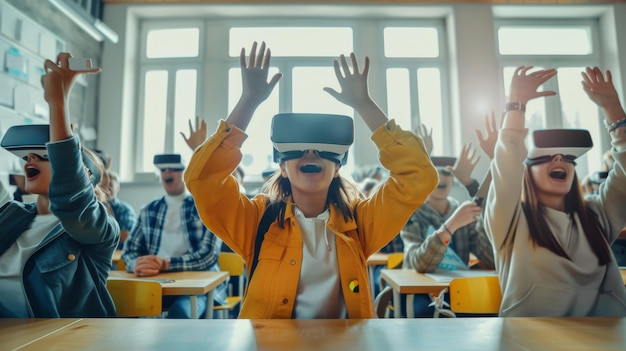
{"x":269,"y":216}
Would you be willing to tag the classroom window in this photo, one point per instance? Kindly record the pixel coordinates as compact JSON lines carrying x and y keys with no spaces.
{"x":170,"y":43}
{"x":568,"y":46}
{"x":303,"y":51}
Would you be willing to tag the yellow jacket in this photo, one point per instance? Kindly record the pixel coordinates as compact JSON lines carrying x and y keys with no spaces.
{"x":235,"y":219}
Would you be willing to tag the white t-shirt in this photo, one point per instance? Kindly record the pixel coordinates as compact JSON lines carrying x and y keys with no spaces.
{"x":319,"y":289}
{"x":12,"y":263}
{"x":174,"y":241}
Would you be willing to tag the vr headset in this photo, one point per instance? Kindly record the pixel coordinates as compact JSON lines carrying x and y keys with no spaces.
{"x":442,"y":163}
{"x":294,"y":133}
{"x":32,"y":138}
{"x":571,"y":143}
{"x":171,"y":161}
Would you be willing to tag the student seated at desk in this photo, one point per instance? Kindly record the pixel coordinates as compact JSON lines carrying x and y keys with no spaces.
{"x":55,"y":254}
{"x":312,"y":259}
{"x":170,"y":237}
{"x":442,"y":233}
{"x":551,"y":244}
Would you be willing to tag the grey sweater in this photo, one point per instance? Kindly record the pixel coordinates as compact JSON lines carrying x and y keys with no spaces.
{"x":534,"y":280}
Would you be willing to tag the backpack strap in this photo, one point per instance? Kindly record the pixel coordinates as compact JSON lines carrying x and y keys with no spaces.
{"x":269,"y":216}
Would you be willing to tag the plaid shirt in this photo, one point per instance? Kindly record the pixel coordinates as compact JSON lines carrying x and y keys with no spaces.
{"x":123,"y":213}
{"x":145,"y":238}
{"x":424,"y":253}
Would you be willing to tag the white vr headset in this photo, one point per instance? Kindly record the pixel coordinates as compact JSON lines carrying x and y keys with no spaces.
{"x":294,"y":133}
{"x":171,"y":161}
{"x":28,"y":139}
{"x":571,"y":143}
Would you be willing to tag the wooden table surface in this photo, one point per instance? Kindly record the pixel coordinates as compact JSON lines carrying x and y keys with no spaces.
{"x":181,"y":283}
{"x":484,"y":334}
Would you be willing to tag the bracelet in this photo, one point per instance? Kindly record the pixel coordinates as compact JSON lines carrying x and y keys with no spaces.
{"x":447,"y":230}
{"x":612,"y":126}
{"x":515,"y":106}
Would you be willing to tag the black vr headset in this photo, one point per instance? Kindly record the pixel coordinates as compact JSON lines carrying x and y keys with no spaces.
{"x":571,"y":143}
{"x":171,"y":161}
{"x":294,"y":133}
{"x":442,"y":163}
{"x":32,"y":138}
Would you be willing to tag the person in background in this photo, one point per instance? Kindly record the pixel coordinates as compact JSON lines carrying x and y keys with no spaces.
{"x":442,"y":233}
{"x":170,"y":237}
{"x":552,"y":245}
{"x":55,"y":254}
{"x":124,"y":214}
{"x":311,"y":263}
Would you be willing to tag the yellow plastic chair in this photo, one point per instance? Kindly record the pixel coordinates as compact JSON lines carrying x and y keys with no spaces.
{"x":394,"y":260}
{"x":475,"y":295}
{"x":234,"y":265}
{"x":136,"y":298}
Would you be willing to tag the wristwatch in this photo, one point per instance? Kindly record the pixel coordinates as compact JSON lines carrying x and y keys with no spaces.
{"x":515,"y":106}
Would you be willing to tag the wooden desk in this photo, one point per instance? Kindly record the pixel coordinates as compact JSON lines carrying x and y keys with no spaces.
{"x":484,"y":334}
{"x":16,"y":332}
{"x":192,"y":283}
{"x":377,"y":259}
{"x":409,"y":282}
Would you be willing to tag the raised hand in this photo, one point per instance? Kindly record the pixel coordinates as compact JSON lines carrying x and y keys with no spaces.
{"x":354,"y":91}
{"x":524,"y":85}
{"x":427,"y":137}
{"x":602,"y":92}
{"x":465,"y":164}
{"x":57,"y":83}
{"x":256,"y":88}
{"x":254,"y":74}
{"x":353,"y":83}
{"x":488,"y":140}
{"x":196,"y":136}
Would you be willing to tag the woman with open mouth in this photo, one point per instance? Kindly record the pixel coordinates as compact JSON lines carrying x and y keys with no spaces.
{"x":55,"y":254}
{"x":552,"y":246}
{"x":307,"y":236}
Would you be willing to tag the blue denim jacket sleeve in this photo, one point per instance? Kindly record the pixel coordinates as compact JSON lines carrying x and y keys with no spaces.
{"x":73,"y":201}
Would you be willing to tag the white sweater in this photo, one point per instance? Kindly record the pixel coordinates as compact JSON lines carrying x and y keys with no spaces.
{"x":534,"y":280}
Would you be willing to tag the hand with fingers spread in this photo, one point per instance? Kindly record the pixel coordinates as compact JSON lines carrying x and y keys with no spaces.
{"x":354,"y":90}
{"x":427,"y":137}
{"x":524,"y":85}
{"x":488,"y":141}
{"x":256,"y":88}
{"x":196,"y":136}
{"x":465,"y":164}
{"x":602,"y":92}
{"x":57,"y":83}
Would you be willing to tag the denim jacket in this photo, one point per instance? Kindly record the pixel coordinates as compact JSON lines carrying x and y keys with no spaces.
{"x":66,"y":275}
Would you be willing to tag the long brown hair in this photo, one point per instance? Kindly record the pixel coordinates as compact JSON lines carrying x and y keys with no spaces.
{"x":341,"y":193}
{"x":540,"y":232}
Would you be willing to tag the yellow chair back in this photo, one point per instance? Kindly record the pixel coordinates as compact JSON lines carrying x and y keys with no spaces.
{"x":480,"y":295}
{"x":233,"y":264}
{"x":136,"y":298}
{"x":394,"y":260}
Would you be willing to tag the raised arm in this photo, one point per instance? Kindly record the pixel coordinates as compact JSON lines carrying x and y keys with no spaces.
{"x":354,"y":91}
{"x":256,"y":88}
{"x":427,"y":137}
{"x":464,"y":166}
{"x":602,"y":92}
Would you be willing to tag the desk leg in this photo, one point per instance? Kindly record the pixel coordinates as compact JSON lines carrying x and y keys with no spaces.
{"x":397,"y":304}
{"x":194,"y":306}
{"x":370,"y":270}
{"x":209,"y":305}
{"x":410,"y":312}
